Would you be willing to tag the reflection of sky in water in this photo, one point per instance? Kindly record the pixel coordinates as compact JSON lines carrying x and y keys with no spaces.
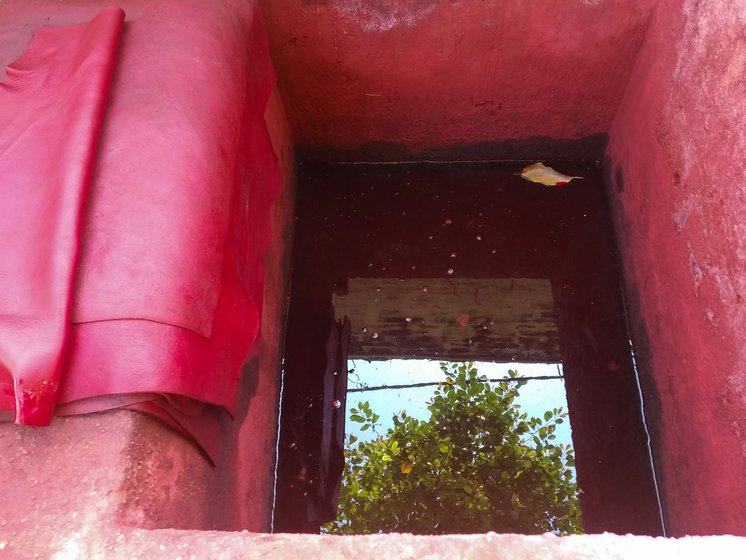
{"x":535,"y":398}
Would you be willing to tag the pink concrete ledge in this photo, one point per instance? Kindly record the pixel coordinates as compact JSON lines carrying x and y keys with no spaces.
{"x":103,"y":542}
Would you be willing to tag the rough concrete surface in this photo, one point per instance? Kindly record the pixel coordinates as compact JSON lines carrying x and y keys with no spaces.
{"x":429,"y":74}
{"x":676,"y":159}
{"x":101,"y":542}
{"x":66,"y":475}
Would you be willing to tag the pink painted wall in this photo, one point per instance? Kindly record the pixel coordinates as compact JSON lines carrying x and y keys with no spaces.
{"x":431,"y":74}
{"x":676,"y":159}
{"x":257,"y":435}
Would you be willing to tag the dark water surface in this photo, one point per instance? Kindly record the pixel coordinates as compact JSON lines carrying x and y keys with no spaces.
{"x":535,"y":266}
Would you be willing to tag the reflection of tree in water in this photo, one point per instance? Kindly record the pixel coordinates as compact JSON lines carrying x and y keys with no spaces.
{"x":477,"y":464}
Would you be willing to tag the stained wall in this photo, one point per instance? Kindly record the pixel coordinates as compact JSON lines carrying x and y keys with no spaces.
{"x":678,"y":176}
{"x":441,"y":79}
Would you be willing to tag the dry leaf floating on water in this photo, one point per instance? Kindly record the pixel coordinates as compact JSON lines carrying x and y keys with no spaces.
{"x":540,"y":173}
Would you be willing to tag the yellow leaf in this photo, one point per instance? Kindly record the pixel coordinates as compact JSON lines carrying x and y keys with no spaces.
{"x":406,"y":467}
{"x":540,"y":173}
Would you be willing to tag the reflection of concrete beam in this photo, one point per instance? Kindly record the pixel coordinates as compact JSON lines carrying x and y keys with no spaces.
{"x":458,"y":319}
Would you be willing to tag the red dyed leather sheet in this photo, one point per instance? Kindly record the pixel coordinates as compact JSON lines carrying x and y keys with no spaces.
{"x":51,"y":107}
{"x":169,"y":275}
